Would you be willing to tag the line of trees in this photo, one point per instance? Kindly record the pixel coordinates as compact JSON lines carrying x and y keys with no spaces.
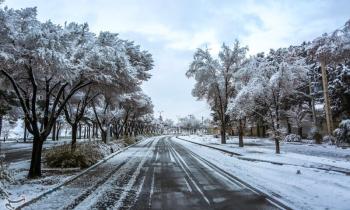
{"x":67,"y":71}
{"x":189,"y":124}
{"x":278,"y":90}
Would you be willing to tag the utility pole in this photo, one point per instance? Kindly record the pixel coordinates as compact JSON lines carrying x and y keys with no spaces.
{"x":327,"y":105}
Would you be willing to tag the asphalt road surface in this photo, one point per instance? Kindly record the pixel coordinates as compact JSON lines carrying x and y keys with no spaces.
{"x":157,"y":173}
{"x":16,"y":151}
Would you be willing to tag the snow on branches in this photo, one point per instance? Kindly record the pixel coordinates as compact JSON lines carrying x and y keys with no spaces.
{"x":54,"y":69}
{"x":278,"y":90}
{"x":214,"y":79}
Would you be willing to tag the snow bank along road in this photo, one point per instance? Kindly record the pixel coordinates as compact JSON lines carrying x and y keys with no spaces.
{"x":158,"y":173}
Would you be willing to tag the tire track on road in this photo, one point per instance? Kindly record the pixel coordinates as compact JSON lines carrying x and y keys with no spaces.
{"x":187,"y":171}
{"x":117,"y":188}
{"x":91,"y":180}
{"x":231,"y":178}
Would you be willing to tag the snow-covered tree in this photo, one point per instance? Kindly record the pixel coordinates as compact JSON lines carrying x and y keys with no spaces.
{"x":214,"y":79}
{"x":263,"y":84}
{"x":343,"y":132}
{"x":8,"y":103}
{"x":190,"y":124}
{"x":40,"y":61}
{"x":297,"y":114}
{"x":330,"y":50}
{"x":52,"y":69}
{"x":122,"y":67}
{"x":135,"y":106}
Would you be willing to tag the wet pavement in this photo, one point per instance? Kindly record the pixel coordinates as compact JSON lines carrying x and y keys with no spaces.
{"x":158,"y":173}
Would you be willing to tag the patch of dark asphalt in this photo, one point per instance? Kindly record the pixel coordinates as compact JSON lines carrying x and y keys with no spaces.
{"x":221,"y":193}
{"x":174,"y":179}
{"x":18,"y":155}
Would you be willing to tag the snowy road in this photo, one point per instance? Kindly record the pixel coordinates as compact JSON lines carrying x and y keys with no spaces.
{"x":158,"y":173}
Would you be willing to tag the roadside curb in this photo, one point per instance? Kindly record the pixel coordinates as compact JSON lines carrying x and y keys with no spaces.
{"x":241,"y":157}
{"x":204,"y":145}
{"x":77,"y":176}
{"x":274,"y":199}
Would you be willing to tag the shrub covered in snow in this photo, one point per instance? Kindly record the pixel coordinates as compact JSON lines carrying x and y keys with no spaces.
{"x":329,"y":139}
{"x":342,"y":133}
{"x":139,"y":138}
{"x":63,"y":157}
{"x":128,"y":140}
{"x":83,"y":156}
{"x":292,"y":138}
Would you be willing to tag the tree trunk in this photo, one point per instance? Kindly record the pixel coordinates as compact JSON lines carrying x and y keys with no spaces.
{"x":25,"y":134}
{"x":277,"y":144}
{"x":327,"y":105}
{"x":84,"y":132}
{"x":58,"y":131}
{"x":74,"y":136}
{"x":223,"y":134}
{"x":89,"y":132}
{"x":116,"y":134}
{"x":240,"y":134}
{"x":300,"y":131}
{"x":93,"y":130}
{"x":96,"y":131}
{"x":53,"y":133}
{"x":104,"y":136}
{"x":35,"y":163}
{"x":0,"y":124}
{"x":314,"y":120}
{"x":79,"y":131}
{"x":258,"y":130}
{"x":289,"y":127}
{"x":264,"y":131}
{"x":111,"y":132}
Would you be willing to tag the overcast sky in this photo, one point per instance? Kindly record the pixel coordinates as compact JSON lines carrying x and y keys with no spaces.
{"x":172,"y":29}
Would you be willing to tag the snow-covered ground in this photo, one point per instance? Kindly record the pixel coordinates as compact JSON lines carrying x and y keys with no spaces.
{"x":297,"y":175}
{"x":24,"y":189}
{"x":264,"y":148}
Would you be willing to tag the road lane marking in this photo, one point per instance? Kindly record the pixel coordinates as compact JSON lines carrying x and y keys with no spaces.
{"x":134,"y":176}
{"x":188,"y":185}
{"x":152,"y":190}
{"x":274,"y":201}
{"x":177,"y":156}
{"x":157,"y":156}
{"x":218,"y":173}
{"x":172,"y":158}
